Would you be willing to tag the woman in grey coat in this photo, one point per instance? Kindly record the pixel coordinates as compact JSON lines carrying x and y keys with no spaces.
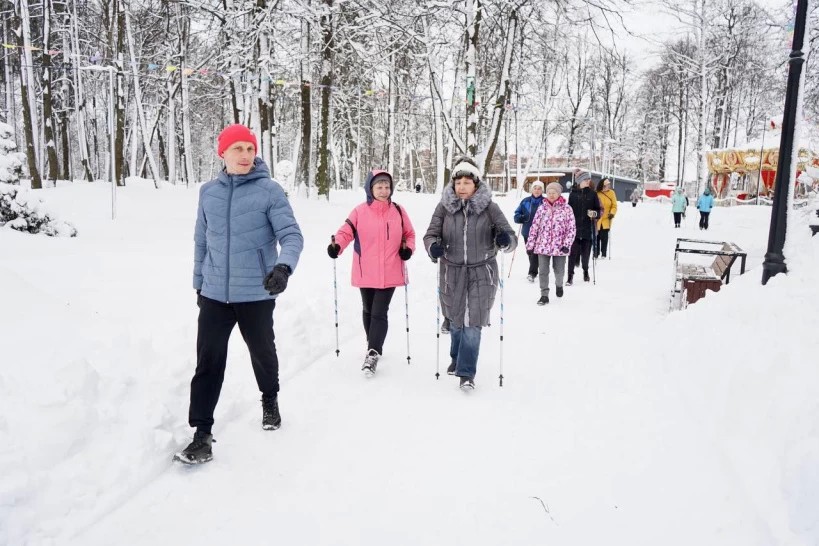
{"x":465,"y":233}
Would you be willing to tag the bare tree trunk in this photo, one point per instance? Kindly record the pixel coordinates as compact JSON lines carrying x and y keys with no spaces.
{"x":30,"y":126}
{"x":504,"y":97}
{"x":323,"y":170}
{"x":473,"y":22}
{"x":143,"y":128}
{"x":303,"y":169}
{"x":703,"y":97}
{"x":79,"y":101}
{"x":118,"y":43}
{"x":53,"y":170}
{"x":171,"y":132}
{"x":10,"y":104}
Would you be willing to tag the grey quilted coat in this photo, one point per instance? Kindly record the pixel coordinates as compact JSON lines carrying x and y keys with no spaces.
{"x":469,"y":268}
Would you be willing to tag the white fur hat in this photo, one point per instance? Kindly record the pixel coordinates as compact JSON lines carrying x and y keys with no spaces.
{"x":466,"y":166}
{"x":536,"y":183}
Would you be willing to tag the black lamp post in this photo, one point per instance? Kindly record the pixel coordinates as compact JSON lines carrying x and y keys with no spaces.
{"x":774,"y":259}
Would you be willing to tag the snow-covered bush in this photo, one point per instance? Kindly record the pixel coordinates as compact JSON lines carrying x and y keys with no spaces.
{"x":11,"y":162}
{"x":20,"y":209}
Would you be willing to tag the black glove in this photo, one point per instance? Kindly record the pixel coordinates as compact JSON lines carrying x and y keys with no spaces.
{"x":611,"y":216}
{"x":276,"y":280}
{"x":199,"y":298}
{"x":530,"y":252}
{"x":332,"y":250}
{"x":564,"y":250}
{"x":436,"y":250}
{"x":502,"y":239}
{"x":405,"y":253}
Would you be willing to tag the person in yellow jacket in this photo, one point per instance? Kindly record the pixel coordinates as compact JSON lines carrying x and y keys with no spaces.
{"x":608,"y":202}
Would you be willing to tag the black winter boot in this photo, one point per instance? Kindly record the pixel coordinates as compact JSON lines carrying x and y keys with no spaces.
{"x":543,"y":300}
{"x":451,"y":368}
{"x":586,"y":275}
{"x":199,"y":451}
{"x":467,"y":383}
{"x":559,"y":291}
{"x":271,"y":418}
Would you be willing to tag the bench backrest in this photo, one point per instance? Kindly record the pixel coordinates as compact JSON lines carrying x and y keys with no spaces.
{"x":723,"y":263}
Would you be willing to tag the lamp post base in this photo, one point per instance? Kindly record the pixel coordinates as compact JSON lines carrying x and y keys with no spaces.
{"x":773,"y":265}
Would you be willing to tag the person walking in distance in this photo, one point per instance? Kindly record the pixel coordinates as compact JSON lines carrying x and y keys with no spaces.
{"x":586,"y":208}
{"x":383,"y":239}
{"x":705,"y":203}
{"x":550,"y":239}
{"x":636,"y":196}
{"x":242,"y":220}
{"x":524,"y":214}
{"x":608,"y":204}
{"x":678,"y":204}
{"x":465,"y":233}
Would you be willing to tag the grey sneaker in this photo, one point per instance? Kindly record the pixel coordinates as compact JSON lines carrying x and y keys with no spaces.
{"x":451,"y":368}
{"x":199,"y":451}
{"x":370,"y":362}
{"x":467,"y":383}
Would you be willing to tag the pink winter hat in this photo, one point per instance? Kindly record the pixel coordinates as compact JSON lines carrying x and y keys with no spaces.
{"x":232,"y":134}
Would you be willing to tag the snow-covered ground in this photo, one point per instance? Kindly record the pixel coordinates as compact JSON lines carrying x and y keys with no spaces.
{"x":618,"y":423}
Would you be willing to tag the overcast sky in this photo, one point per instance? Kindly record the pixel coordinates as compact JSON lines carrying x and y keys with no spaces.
{"x":649,"y":25}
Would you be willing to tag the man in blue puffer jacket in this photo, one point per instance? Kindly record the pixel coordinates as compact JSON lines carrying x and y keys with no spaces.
{"x":524,"y":214}
{"x":238,"y":272}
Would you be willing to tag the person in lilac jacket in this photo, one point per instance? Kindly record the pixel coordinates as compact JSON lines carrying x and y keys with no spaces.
{"x":383,"y":239}
{"x":550,"y":238}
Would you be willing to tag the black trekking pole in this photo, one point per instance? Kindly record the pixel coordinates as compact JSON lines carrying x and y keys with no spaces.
{"x":500,"y":376}
{"x":594,"y":254}
{"x":335,"y":294}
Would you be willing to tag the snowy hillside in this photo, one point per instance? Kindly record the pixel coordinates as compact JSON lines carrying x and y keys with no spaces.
{"x":617,"y":424}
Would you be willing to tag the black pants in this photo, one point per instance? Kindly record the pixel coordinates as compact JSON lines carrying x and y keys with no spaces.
{"x":216,"y":322}
{"x":533,"y":260}
{"x":602,"y":242}
{"x":581,"y":250}
{"x":376,"y":305}
{"x":704,"y":219}
{"x":677,"y":219}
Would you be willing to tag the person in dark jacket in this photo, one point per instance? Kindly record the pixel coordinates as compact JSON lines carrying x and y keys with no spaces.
{"x":238,"y":273}
{"x":465,"y":233}
{"x":586,"y":207}
{"x":524,"y":214}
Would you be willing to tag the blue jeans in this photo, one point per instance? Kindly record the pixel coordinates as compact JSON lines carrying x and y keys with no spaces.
{"x":466,"y":342}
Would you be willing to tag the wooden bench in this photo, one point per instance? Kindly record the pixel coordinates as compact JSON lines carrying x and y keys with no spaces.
{"x":692,"y":281}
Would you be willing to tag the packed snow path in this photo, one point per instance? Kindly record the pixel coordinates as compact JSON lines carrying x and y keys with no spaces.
{"x":591,"y":439}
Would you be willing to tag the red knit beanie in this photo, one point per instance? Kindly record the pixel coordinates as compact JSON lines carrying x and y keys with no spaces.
{"x":232,"y":134}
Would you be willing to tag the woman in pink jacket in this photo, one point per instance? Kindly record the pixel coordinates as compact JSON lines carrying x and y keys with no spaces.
{"x":383,"y":239}
{"x":550,"y":237}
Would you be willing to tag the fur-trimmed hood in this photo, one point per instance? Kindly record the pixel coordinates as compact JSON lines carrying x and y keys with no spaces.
{"x":474,"y":205}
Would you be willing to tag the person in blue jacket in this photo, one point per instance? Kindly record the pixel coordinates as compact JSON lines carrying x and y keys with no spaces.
{"x":704,"y":204}
{"x":524,"y":214}
{"x":238,"y":272}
